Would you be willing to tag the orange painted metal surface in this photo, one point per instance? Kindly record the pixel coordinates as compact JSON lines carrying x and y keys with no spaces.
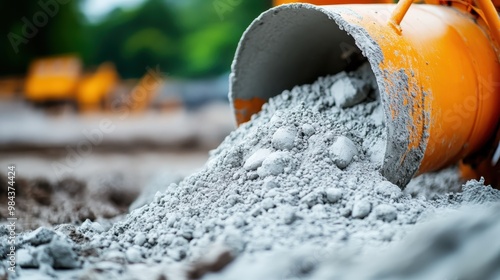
{"x":447,"y":59}
{"x":245,"y":108}
{"x":485,"y":163}
{"x":496,"y":3}
{"x":330,"y":2}
{"x":399,"y":13}
{"x":438,"y":78}
{"x":450,"y":61}
{"x":492,"y":19}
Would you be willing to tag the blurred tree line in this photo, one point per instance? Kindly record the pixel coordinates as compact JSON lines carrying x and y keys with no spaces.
{"x":187,"y":38}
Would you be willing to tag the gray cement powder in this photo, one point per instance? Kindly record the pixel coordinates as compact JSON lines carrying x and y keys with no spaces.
{"x":302,"y":171}
{"x":301,"y":176}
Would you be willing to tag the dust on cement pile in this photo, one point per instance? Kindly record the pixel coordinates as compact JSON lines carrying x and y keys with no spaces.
{"x":302,"y":173}
{"x":295,"y":174}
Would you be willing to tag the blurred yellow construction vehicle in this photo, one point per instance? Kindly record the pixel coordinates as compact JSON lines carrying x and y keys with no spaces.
{"x":95,"y":87}
{"x":53,"y":79}
{"x":436,"y":64}
{"x":144,"y":92}
{"x":61,"y":79}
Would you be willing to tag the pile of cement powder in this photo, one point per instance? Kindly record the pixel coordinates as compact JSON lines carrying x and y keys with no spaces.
{"x":454,"y":244}
{"x":302,"y":173}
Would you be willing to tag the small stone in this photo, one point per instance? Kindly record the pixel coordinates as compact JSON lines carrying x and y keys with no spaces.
{"x":157,"y":197}
{"x":378,"y":116}
{"x":140,"y":239}
{"x":342,"y":151}
{"x":42,"y":256}
{"x":289,"y":217}
{"x":333,"y":195}
{"x":233,"y":240}
{"x":267,"y":203}
{"x":252,"y":175}
{"x":341,"y":235}
{"x":313,"y":198}
{"x":66,"y":229}
{"x":39,"y":236}
{"x":45,"y":261}
{"x":232,"y":200}
{"x":388,"y":189}
{"x":4,"y":231}
{"x":276,"y":119}
{"x":233,"y":157}
{"x":287,"y":214}
{"x":271,"y":184}
{"x":284,"y":138}
{"x":166,"y":239}
{"x":133,"y":255}
{"x":308,"y":129}
{"x":63,"y":254}
{"x":274,"y":164}
{"x":271,"y":193}
{"x":88,"y":225}
{"x":361,"y":209}
{"x":171,"y":221}
{"x":187,"y":234}
{"x":256,"y":159}
{"x":114,"y":246}
{"x":345,"y":212}
{"x":349,"y":91}
{"x":256,"y":212}
{"x":25,"y":259}
{"x":237,"y":220}
{"x":179,"y":242}
{"x":385,"y":212}
{"x":97,"y":227}
{"x":176,"y":254}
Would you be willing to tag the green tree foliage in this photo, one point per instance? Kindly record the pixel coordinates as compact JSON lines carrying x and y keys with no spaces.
{"x":31,"y":29}
{"x":212,"y":33}
{"x":138,"y":38}
{"x":188,"y":38}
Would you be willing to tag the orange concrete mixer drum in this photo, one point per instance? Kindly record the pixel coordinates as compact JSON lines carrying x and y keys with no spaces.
{"x":436,"y":68}
{"x":330,"y":2}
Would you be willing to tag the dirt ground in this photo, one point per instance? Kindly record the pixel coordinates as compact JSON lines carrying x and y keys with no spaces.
{"x":72,"y":167}
{"x":101,"y":186}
